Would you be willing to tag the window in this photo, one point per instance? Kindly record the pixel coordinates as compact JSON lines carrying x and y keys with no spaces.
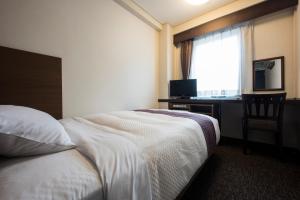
{"x":216,"y":64}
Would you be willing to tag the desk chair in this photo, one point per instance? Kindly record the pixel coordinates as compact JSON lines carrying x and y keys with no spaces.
{"x":263,"y":112}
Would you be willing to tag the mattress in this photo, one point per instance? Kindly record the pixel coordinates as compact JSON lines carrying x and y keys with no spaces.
{"x":119,"y":155}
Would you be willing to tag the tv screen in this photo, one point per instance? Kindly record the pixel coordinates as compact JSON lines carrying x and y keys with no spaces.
{"x":183,"y":88}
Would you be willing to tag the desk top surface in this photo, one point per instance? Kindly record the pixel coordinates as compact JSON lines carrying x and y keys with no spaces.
{"x":216,"y":100}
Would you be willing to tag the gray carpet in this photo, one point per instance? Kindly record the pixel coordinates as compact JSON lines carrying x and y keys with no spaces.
{"x":229,"y":174}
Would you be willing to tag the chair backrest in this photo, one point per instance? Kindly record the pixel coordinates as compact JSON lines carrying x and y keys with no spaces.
{"x":264,"y":106}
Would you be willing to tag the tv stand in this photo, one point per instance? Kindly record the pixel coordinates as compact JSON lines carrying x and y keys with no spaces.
{"x":211,"y":108}
{"x":207,"y":106}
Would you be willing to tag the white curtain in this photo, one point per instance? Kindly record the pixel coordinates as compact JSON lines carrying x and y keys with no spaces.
{"x":247,"y":55}
{"x":220,"y":60}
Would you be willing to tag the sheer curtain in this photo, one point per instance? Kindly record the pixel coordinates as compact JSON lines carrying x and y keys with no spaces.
{"x":217,"y":63}
{"x":247,"y":56}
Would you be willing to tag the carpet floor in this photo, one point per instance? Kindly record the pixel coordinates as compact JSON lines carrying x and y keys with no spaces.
{"x":229,"y":174}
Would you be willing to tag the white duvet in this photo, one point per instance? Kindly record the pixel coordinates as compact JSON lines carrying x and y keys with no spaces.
{"x":123,"y":155}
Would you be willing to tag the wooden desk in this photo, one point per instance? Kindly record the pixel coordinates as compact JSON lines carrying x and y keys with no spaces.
{"x":218,"y":100}
{"x":209,"y":106}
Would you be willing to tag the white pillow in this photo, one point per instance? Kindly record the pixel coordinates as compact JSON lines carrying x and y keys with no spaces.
{"x":25,"y":132}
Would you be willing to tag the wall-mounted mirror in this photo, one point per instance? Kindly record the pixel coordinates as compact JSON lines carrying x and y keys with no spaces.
{"x":268,"y":74}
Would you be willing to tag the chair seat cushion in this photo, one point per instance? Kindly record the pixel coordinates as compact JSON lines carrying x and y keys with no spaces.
{"x":264,"y":125}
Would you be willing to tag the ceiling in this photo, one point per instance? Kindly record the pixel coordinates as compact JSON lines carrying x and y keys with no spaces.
{"x":175,"y":12}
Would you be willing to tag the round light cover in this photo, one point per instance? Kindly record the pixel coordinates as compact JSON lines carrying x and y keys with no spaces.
{"x":197,"y":2}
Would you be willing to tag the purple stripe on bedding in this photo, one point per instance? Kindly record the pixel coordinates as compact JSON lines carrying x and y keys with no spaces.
{"x":204,"y":122}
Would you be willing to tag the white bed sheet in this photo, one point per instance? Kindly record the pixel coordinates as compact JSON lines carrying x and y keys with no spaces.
{"x":63,"y":175}
{"x":173,"y":147}
{"x":124,"y":155}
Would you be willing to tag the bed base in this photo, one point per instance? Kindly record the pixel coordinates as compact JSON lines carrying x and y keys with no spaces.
{"x":185,"y":191}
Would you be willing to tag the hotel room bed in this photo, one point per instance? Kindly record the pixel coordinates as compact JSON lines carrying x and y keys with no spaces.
{"x":119,"y":155}
{"x":142,"y":154}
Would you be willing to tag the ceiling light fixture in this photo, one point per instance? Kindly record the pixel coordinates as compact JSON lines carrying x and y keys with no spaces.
{"x":197,"y":2}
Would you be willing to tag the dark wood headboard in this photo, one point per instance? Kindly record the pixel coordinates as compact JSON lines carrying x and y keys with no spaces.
{"x":31,"y":79}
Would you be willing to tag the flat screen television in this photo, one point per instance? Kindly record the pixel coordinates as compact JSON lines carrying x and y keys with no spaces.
{"x":183,"y":88}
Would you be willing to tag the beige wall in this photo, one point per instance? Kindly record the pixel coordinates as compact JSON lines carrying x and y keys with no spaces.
{"x":110,"y":57}
{"x":274,"y":36}
{"x":297,"y":50}
{"x":166,"y":60}
{"x":222,"y":11}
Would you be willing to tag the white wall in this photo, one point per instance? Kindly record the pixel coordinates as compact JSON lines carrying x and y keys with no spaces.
{"x":273,"y":76}
{"x":109,"y":57}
